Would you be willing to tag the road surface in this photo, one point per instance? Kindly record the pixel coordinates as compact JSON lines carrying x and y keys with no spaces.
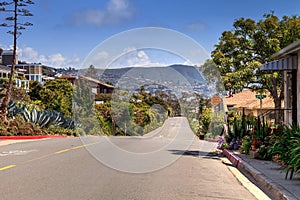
{"x":169,"y":163}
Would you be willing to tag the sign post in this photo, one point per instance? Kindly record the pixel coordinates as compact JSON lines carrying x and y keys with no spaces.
{"x":216,"y":100}
{"x":260,"y":97}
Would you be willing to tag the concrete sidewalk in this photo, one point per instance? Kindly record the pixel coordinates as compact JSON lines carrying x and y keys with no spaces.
{"x":267,"y":175}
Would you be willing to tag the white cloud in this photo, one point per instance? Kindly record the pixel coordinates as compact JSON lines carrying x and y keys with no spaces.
{"x":29,"y":53}
{"x":115,"y":12}
{"x":98,"y":59}
{"x":133,"y":57}
{"x":138,"y":58}
{"x":56,"y":60}
{"x":187,"y":62}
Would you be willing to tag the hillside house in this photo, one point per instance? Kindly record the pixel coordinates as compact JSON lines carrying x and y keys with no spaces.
{"x":98,"y":86}
{"x":69,"y":77}
{"x":32,"y":72}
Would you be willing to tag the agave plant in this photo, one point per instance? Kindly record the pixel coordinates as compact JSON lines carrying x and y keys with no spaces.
{"x":13,"y":110}
{"x":44,"y":118}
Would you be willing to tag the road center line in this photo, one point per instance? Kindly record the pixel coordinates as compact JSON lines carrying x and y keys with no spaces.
{"x":48,"y":155}
{"x":7,"y":167}
{"x":76,"y":147}
{"x":90,"y":144}
{"x":62,"y":151}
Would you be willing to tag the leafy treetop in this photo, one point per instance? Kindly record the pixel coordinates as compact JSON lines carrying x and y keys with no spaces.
{"x":242,"y":50}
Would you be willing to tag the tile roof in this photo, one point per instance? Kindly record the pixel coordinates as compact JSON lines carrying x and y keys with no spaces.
{"x":67,"y":76}
{"x":96,"y":81}
{"x":247,"y":99}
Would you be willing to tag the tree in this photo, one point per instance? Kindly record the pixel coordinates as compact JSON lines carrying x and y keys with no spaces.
{"x":212,"y":77}
{"x":205,"y":119}
{"x":57,"y":95}
{"x":92,"y":72}
{"x":84,"y":112}
{"x":83,"y":95}
{"x":17,"y":27}
{"x":34,"y":90}
{"x":241,"y":51}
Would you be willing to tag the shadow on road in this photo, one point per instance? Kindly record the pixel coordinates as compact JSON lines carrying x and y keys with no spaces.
{"x":202,"y":154}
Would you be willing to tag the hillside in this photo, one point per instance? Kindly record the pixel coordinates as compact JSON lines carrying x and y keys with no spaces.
{"x":174,"y":73}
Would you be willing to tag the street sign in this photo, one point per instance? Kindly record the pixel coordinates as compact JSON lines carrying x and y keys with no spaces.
{"x":216,"y":100}
{"x":260,"y":96}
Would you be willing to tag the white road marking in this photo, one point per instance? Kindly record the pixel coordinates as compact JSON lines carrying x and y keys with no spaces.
{"x":16,"y":152}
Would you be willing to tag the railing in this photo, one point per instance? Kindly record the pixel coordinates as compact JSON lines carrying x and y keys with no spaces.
{"x":269,"y":115}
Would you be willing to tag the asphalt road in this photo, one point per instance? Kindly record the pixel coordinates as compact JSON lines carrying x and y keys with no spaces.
{"x":169,"y":163}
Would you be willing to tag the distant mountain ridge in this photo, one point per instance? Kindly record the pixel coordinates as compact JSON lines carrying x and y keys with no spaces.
{"x":189,"y":73}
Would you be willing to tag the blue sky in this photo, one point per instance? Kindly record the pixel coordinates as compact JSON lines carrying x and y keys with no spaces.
{"x":65,"y":31}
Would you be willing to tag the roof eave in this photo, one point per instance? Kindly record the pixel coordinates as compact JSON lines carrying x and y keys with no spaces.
{"x":290,"y":49}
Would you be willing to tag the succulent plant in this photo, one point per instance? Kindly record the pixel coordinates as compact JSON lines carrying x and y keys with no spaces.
{"x":43,"y":118}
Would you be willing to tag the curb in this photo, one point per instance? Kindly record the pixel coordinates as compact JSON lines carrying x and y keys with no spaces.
{"x":30,"y":137}
{"x":235,"y":160}
{"x":273,"y":190}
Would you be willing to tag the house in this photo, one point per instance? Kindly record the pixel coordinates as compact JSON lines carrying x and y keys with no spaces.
{"x":288,"y":62}
{"x":98,"y":86}
{"x":32,"y":72}
{"x":247,"y":103}
{"x":69,"y":77}
{"x":4,"y":71}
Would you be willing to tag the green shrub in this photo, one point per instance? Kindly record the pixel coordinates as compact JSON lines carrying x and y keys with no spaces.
{"x":285,"y":148}
{"x":54,"y":130}
{"x":295,"y":157}
{"x":246,"y":145}
{"x":18,"y":126}
{"x":225,"y":145}
{"x":263,"y":153}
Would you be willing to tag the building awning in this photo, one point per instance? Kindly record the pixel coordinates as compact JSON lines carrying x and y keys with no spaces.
{"x":282,"y":64}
